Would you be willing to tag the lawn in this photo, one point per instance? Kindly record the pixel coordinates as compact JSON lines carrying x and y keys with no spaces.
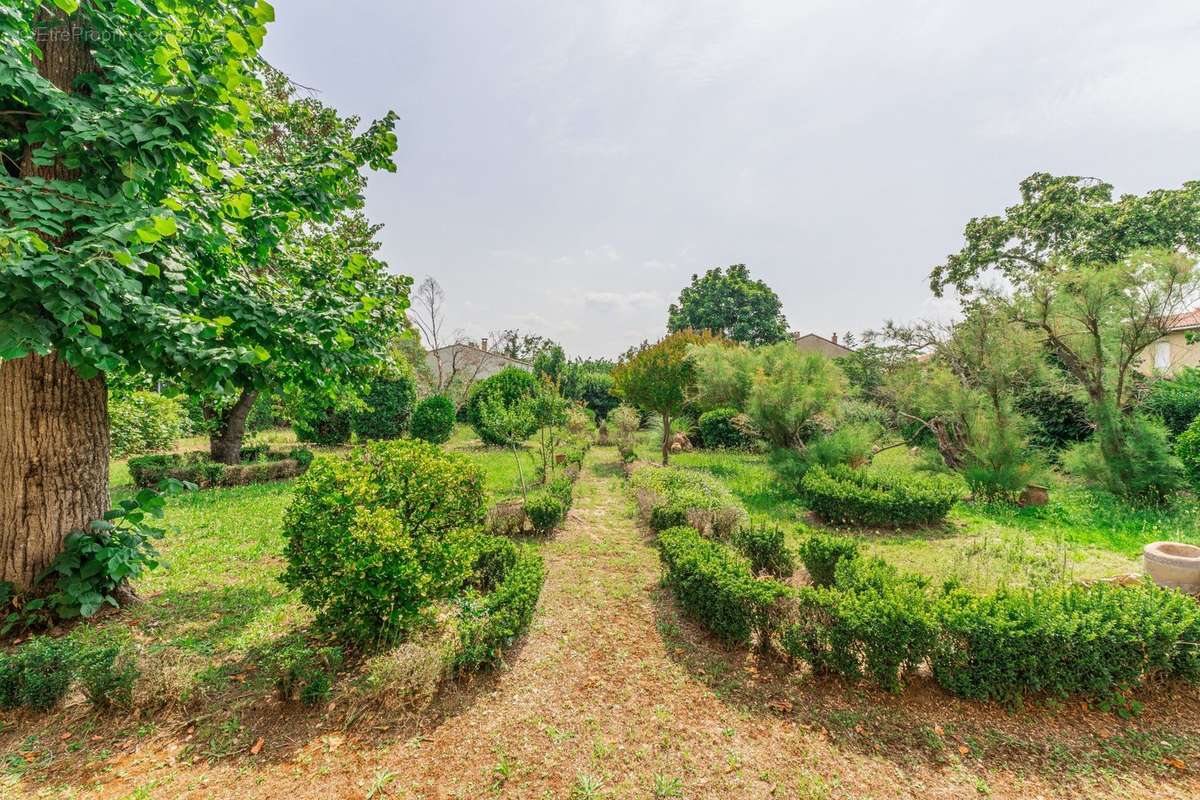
{"x":1080,"y":534}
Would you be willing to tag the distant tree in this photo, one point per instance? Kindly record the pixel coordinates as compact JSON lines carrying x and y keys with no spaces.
{"x":1071,"y":220}
{"x":657,"y":379}
{"x":730,"y":304}
{"x":549,"y":363}
{"x":520,"y":345}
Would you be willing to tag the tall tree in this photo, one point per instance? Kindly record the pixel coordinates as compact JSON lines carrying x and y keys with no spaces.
{"x":731,"y":304}
{"x":1069,"y":220}
{"x":658,"y":378}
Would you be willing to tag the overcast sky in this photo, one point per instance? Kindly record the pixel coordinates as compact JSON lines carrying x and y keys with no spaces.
{"x":564,"y":167}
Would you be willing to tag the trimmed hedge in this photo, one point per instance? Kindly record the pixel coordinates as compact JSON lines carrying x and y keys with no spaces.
{"x":433,"y":419}
{"x":821,"y":554}
{"x":200,"y":469}
{"x":863,"y":497}
{"x":670,"y":497}
{"x":510,"y":577}
{"x":389,"y":409}
{"x":765,"y":546}
{"x":714,"y":586}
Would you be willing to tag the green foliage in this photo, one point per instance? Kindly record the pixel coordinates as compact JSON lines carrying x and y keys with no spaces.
{"x":375,"y":538}
{"x":545,"y":510}
{"x":997,"y":463}
{"x":720,"y":428}
{"x":1073,"y":219}
{"x":302,"y":671}
{"x":715,"y":587}
{"x":142,"y":422}
{"x":1176,"y":401}
{"x":875,"y":624}
{"x":1093,"y":640}
{"x":433,"y":419}
{"x":498,"y":399}
{"x":849,"y":445}
{"x":115,"y":550}
{"x":1187,"y":450}
{"x":491,"y":620}
{"x":878,"y":498}
{"x":1130,"y":457}
{"x":10,"y":681}
{"x":106,"y":665}
{"x":592,"y":387}
{"x":730,"y":304}
{"x":821,"y":554}
{"x":258,"y":466}
{"x":47,"y":667}
{"x":1057,"y":418}
{"x":389,"y":408}
{"x":549,"y":363}
{"x":673,"y":496}
{"x":623,"y":424}
{"x":765,"y":546}
{"x":321,"y":423}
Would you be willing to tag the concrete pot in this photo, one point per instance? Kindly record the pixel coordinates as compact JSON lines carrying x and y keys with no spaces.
{"x":1173,"y":564}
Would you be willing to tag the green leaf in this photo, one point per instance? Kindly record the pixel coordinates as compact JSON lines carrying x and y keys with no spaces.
{"x":165,"y":226}
{"x":94,"y":329}
{"x":238,"y":41}
{"x":68,"y":6}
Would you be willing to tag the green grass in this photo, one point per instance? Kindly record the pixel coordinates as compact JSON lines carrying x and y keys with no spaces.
{"x":502,"y":480}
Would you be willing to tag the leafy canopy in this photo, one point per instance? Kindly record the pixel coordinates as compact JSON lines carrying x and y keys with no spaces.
{"x":731,"y":304}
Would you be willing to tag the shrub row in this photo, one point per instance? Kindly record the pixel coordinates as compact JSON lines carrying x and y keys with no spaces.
{"x":870,"y":497}
{"x":101,"y":661}
{"x":865,"y":619}
{"x":508,"y":581}
{"x":715,"y":586}
{"x":670,"y":497}
{"x":198,"y":468}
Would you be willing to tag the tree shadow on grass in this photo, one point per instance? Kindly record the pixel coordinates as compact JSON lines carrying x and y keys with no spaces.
{"x":1059,"y":742}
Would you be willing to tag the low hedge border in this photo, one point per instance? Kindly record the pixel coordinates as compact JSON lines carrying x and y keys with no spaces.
{"x":510,"y":577}
{"x":546,"y":506}
{"x":196,"y":467}
{"x":876,"y":623}
{"x":878,"y":498}
{"x":672,"y":497}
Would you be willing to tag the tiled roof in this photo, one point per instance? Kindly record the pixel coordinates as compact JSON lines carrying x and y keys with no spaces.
{"x":1186,"y":321}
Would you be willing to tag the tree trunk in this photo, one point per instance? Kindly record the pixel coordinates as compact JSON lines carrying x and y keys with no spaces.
{"x":666,"y":454}
{"x":53,"y":423}
{"x":53,"y":461}
{"x":225,"y":444}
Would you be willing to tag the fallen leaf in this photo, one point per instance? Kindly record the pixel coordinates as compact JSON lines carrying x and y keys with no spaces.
{"x":963,"y":749}
{"x":257,"y":747}
{"x":1176,"y":763}
{"x":938,"y":730}
{"x":65,"y":736}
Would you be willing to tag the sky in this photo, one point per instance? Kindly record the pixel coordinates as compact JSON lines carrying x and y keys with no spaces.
{"x":565,"y":167}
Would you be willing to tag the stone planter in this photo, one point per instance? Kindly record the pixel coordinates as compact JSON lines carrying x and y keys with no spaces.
{"x":1174,"y":565}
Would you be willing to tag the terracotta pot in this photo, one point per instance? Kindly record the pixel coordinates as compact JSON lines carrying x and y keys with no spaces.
{"x":1034,"y":495}
{"x":1173,"y":564}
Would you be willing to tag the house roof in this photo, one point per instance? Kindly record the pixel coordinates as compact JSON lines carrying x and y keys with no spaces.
{"x":1188,"y":320}
{"x":798,"y":337}
{"x":476,"y":348}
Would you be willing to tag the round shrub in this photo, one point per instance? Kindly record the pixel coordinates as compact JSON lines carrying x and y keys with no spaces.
{"x":719,"y":428}
{"x":506,"y":388}
{"x":433,"y":419}
{"x":491,"y":621}
{"x":766,"y":548}
{"x":595,"y":390}
{"x":545,"y":510}
{"x":143,"y":422}
{"x":389,"y":409}
{"x":323,"y":425}
{"x":821,"y":553}
{"x":375,"y":538}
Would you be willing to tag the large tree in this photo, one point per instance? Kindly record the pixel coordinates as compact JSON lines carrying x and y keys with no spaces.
{"x":1070,"y":220}
{"x":731,"y":304}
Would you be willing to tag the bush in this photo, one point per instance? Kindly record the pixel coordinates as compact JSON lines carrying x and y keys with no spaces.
{"x":1187,"y":450}
{"x":1175,"y":401}
{"x":594,"y":389}
{"x":106,"y":665}
{"x":200,"y":469}
{"x":506,"y":388}
{"x":720,"y":428}
{"x":46,"y":671}
{"x":389,"y":409}
{"x":10,"y":681}
{"x":821,"y":553}
{"x":375,"y":538}
{"x":490,"y":621}
{"x":850,"y":445}
{"x":1092,"y":640}
{"x":669,"y":497}
{"x":303,"y":671}
{"x":433,"y":419}
{"x":545,"y":510}
{"x":715,"y":587}
{"x":143,"y":422}
{"x":1139,"y":465}
{"x":872,"y":622}
{"x":877,"y":497}
{"x":323,"y":425}
{"x":1058,"y":418}
{"x":766,"y":548}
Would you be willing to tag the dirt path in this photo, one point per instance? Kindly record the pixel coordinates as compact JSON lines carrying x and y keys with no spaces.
{"x":611,"y":694}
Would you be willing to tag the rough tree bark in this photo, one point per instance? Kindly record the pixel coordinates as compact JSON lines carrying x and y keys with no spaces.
{"x":666,"y":447}
{"x":225,"y":444}
{"x":53,"y":424}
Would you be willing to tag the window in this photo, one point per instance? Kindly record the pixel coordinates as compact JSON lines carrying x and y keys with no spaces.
{"x":1162,"y":355}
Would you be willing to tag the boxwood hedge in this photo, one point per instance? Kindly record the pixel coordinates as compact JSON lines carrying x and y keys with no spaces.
{"x":870,"y":497}
{"x":508,"y":582}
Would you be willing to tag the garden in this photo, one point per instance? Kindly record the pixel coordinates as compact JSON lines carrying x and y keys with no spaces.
{"x":264,"y":533}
